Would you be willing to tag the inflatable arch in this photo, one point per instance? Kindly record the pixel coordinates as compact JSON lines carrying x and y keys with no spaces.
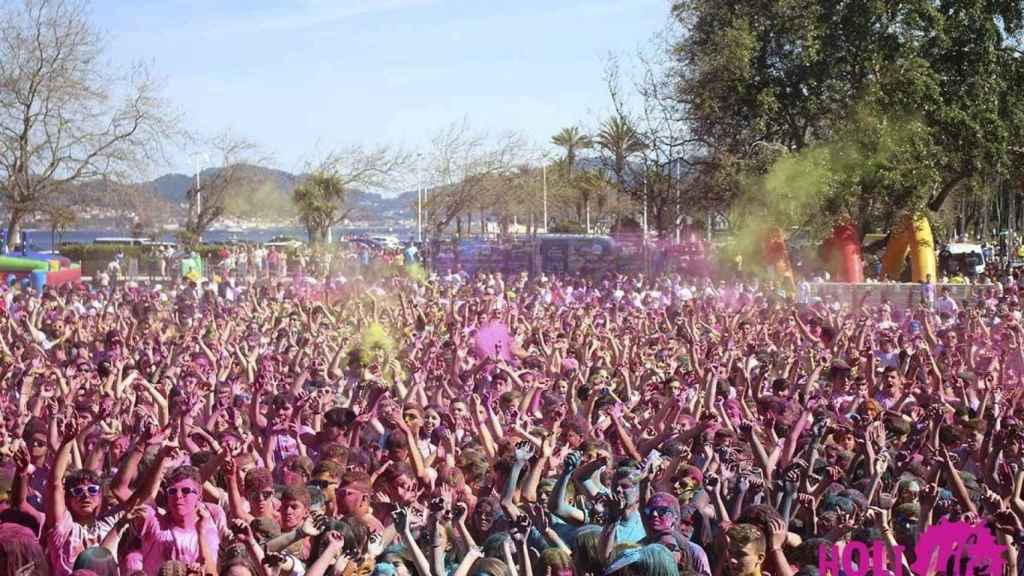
{"x":913,"y":236}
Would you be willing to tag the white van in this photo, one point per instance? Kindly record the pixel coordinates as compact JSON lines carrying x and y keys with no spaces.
{"x":963,"y":257}
{"x":388,"y":241}
{"x":125,"y":240}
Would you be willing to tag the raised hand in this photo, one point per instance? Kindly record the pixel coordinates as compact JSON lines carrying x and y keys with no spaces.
{"x":806,"y":501}
{"x":524,"y":452}
{"x":834,"y":473}
{"x":539,"y":517}
{"x":572,"y":461}
{"x":460,"y":511}
{"x":712,"y":483}
{"x":520,"y":526}
{"x":1006,"y":521}
{"x":929,"y":495}
{"x":879,"y":517}
{"x":313,"y":525}
{"x":776,"y":533}
{"x":401,"y":518}
{"x":21,"y":460}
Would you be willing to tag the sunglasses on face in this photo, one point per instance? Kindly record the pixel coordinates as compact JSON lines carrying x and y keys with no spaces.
{"x":184,"y":491}
{"x":264,"y":494}
{"x":321,"y":484}
{"x":79,"y":491}
{"x":660,"y":511}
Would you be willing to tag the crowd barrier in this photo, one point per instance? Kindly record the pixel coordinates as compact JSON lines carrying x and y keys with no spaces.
{"x":903,"y":295}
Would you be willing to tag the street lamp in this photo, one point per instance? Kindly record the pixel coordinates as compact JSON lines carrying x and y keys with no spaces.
{"x":544,"y":177}
{"x":420,"y":193}
{"x":197,"y":168}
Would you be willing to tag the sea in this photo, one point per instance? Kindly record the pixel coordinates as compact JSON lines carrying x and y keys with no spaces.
{"x":43,"y":240}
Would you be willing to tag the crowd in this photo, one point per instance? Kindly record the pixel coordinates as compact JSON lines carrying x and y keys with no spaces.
{"x":498,"y":426}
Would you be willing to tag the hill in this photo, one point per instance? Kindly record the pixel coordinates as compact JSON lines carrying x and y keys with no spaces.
{"x":270,"y":196}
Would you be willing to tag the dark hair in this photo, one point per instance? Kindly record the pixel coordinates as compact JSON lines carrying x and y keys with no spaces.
{"x":334,"y":452}
{"x":296,"y":492}
{"x":184,"y":472}
{"x":340,"y":417}
{"x":97,"y":559}
{"x":329,"y":467}
{"x":21,"y":518}
{"x":283,"y":399}
{"x":80,"y":477}
{"x":355,"y":534}
{"x":19,"y":548}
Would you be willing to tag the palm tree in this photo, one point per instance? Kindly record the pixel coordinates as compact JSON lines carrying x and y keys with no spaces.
{"x":320,"y":200}
{"x":619,"y":141}
{"x":572,"y":140}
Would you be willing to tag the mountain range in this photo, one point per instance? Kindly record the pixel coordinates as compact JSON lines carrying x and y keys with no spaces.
{"x":268,"y":196}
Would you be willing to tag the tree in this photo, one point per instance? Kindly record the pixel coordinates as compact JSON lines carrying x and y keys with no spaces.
{"x":572,"y":141}
{"x":320,"y":197}
{"x":467,"y":168}
{"x":940,"y":80}
{"x":209,"y":194}
{"x":60,"y":219}
{"x":65,"y":117}
{"x":649,"y":147}
{"x":619,"y":141}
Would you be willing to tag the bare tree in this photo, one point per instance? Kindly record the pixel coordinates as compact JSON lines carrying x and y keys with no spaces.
{"x":321,"y":196}
{"x":673,"y":177}
{"x":65,"y":117}
{"x":465,"y":167}
{"x":207,"y":198}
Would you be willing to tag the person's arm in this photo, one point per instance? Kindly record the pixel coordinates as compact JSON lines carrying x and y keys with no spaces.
{"x":128,"y":471}
{"x":401,"y":516}
{"x":547,"y":451}
{"x":54,"y":504}
{"x":775,"y":558}
{"x":150,"y":484}
{"x":438,"y":547}
{"x":308,"y":529}
{"x":956,"y":483}
{"x":208,"y":555}
{"x":625,"y":439}
{"x":524,"y":451}
{"x":330,"y":555}
{"x":789,"y":448}
{"x":259,"y":422}
{"x":422,"y":471}
{"x":23,"y":470}
{"x":112,"y":540}
{"x":714,"y":486}
{"x":559,"y":502}
{"x":236,"y":503}
{"x":474,"y":554}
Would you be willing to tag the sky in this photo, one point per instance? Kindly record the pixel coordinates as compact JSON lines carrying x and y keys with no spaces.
{"x":300,"y":78}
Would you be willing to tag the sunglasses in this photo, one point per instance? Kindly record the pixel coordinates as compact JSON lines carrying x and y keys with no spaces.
{"x":660,"y":511}
{"x":184,"y":491}
{"x":321,"y":484}
{"x":264,"y":494}
{"x":79,"y":491}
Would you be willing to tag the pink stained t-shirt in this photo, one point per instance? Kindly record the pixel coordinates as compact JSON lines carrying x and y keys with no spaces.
{"x":68,"y":539}
{"x":162,"y":542}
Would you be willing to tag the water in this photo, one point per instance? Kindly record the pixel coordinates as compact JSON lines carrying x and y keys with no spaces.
{"x":40,"y":239}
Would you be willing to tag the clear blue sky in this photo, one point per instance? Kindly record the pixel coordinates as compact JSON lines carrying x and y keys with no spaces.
{"x":300,"y":77}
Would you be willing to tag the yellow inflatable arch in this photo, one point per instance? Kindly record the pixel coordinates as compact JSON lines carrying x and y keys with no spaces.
{"x":913,"y":236}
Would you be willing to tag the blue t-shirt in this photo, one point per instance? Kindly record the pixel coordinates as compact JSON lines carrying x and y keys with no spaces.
{"x":630,"y":530}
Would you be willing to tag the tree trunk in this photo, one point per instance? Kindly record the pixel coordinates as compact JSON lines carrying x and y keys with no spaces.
{"x":14,"y":227}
